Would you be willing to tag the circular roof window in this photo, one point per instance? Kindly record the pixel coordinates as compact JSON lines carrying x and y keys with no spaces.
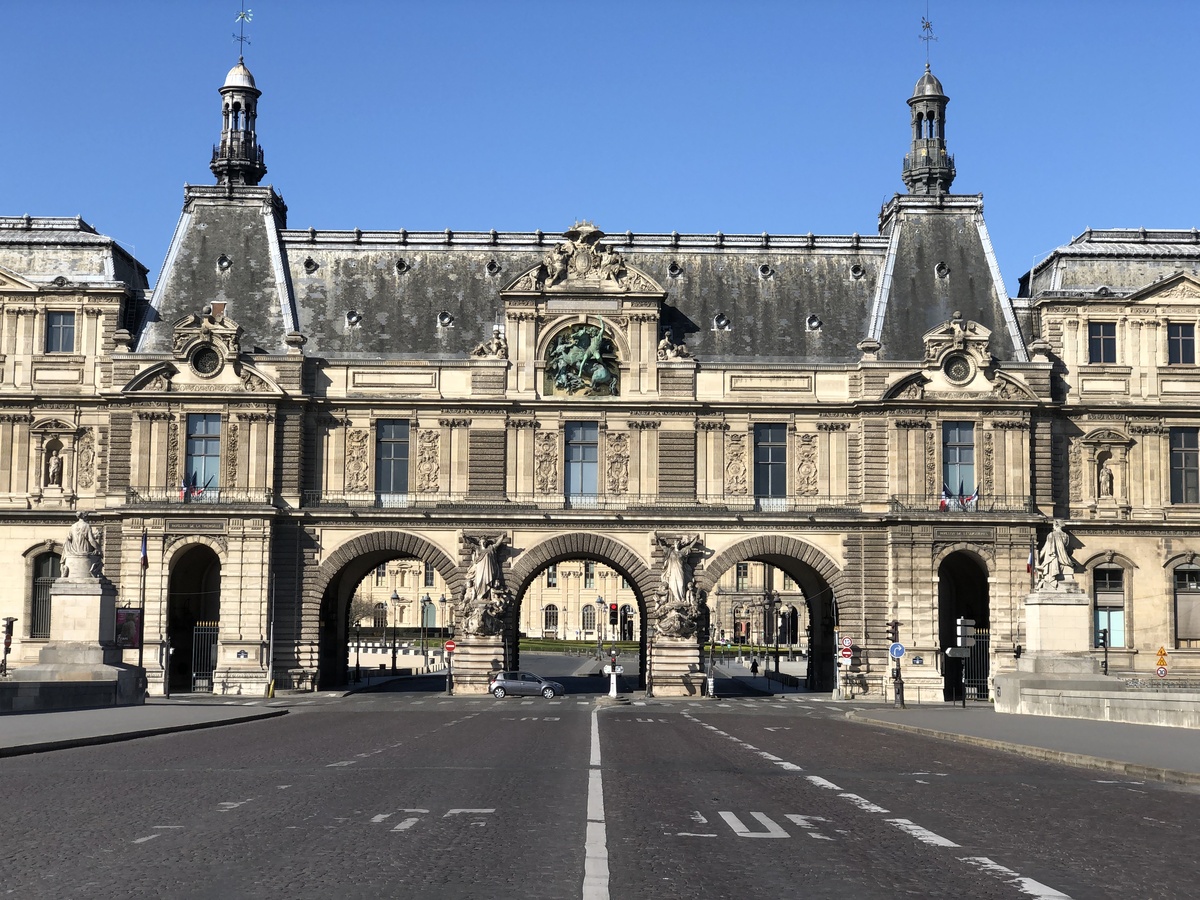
{"x":958,"y":369}
{"x":206,"y":361}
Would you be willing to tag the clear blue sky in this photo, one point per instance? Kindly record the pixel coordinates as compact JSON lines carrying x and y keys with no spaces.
{"x":694,"y":116}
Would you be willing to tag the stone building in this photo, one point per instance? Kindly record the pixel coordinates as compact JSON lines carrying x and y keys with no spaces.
{"x":871,"y":418}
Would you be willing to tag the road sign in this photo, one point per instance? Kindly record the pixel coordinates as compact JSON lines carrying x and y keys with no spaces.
{"x":847,"y":652}
{"x":896,"y":650}
{"x":847,"y":642}
{"x":958,"y":652}
{"x":966,"y":632}
{"x":450,"y":645}
{"x":1161,"y":671}
{"x":845,"y":661}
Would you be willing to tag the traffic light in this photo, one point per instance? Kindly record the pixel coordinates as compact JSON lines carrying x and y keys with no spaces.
{"x":612,"y":614}
{"x":1103,"y":638}
{"x":966,"y":632}
{"x":894,"y":632}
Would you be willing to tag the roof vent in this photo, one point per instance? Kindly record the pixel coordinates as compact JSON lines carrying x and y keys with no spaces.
{"x":1104,"y":291}
{"x":941,"y":270}
{"x":353,"y":317}
{"x":857,"y":271}
{"x":721,"y":322}
{"x":224,"y":263}
{"x":445,"y":319}
{"x":493,"y":267}
{"x":402,"y":266}
{"x":765,"y":271}
{"x":674,"y":269}
{"x":813,"y":323}
{"x":310,"y":265}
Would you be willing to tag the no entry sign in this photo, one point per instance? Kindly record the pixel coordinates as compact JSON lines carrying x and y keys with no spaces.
{"x":450,"y":645}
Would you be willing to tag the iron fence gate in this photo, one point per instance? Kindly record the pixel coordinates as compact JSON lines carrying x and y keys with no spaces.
{"x":204,"y":656}
{"x":976,"y":667}
{"x":40,"y":626}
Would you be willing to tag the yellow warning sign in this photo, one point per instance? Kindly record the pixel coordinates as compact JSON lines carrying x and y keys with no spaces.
{"x":1162,"y":651}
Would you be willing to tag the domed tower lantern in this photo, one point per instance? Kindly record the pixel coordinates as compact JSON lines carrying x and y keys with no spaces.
{"x":238,"y":159}
{"x":928,"y":168}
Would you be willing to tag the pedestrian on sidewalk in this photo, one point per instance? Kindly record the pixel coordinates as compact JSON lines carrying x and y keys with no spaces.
{"x":754,"y":667}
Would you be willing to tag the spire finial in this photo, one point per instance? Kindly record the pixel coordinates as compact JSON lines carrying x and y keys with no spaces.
{"x":243,"y":17}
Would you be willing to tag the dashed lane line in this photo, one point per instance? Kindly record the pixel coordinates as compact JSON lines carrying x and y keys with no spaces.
{"x":595,"y":851}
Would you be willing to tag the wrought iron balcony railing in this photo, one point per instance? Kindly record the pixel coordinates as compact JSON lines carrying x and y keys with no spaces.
{"x":207,"y":496}
{"x":962,"y":506}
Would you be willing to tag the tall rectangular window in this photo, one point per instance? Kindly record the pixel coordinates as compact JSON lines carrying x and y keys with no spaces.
{"x":1181,"y":344}
{"x":770,"y":460}
{"x":60,"y":332}
{"x":741,"y":577}
{"x":391,"y":461}
{"x":1187,"y":607}
{"x":202,"y":473}
{"x":580,"y":476}
{"x":1185,"y":465}
{"x":1109,"y":585}
{"x":381,"y":575}
{"x":429,"y":574}
{"x":1102,"y":342}
{"x":551,"y":576}
{"x":958,"y":457}
{"x":589,"y":575}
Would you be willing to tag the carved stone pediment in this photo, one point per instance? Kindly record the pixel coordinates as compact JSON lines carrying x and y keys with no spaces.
{"x":1007,"y":388}
{"x":911,"y":387}
{"x":582,"y":262}
{"x":189,"y":332}
{"x":1100,"y":437}
{"x":11,"y":282}
{"x":1179,"y":287}
{"x":958,"y":336}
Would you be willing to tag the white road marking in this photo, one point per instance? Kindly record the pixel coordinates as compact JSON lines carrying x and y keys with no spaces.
{"x":407,"y":823}
{"x":821,"y":782}
{"x":168,"y":826}
{"x":691,"y":834}
{"x":595,"y":848}
{"x":806,"y":822}
{"x":148,"y":837}
{"x":765,"y":755}
{"x":863,"y":803}
{"x":923,"y":835}
{"x":772,"y":829}
{"x":1025,"y":885}
{"x":375,"y":820}
{"x":227,"y":805}
{"x":348,"y":762}
{"x":791,"y":767}
{"x":698,"y":818}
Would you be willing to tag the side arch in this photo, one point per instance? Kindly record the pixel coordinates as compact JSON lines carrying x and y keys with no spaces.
{"x":400,"y":543}
{"x":772,"y":546}
{"x":578,"y":544}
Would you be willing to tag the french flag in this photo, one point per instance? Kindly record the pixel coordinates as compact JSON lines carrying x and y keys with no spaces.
{"x":145,"y":555}
{"x":972,"y":500}
{"x":1029,"y":562}
{"x":945,"y":502}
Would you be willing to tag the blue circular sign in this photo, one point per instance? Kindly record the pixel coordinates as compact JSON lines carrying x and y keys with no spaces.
{"x":896,"y":650}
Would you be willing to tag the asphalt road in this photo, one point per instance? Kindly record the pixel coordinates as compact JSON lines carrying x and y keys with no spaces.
{"x":405,"y":793}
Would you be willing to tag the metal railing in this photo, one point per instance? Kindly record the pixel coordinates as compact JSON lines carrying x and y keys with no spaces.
{"x":208,"y":496}
{"x":719,"y":502}
{"x":956,"y":506}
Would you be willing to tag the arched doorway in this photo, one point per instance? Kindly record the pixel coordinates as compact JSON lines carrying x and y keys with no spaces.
{"x":963,"y":594}
{"x":193,"y":618}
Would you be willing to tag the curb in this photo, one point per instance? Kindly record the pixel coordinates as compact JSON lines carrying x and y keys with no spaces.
{"x":1079,"y":760}
{"x":68,"y":743}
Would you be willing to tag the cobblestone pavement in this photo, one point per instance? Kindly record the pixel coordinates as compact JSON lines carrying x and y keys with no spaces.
{"x":393,"y":795}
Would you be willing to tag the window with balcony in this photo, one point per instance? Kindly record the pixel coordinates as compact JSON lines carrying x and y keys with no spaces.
{"x":60,"y":332}
{"x":391,"y":462}
{"x":1181,"y":344}
{"x":1185,"y":465}
{"x":202,"y":472}
{"x":581,"y":467}
{"x":1187,"y":607}
{"x":1109,"y":590}
{"x":770,"y":464}
{"x":1102,"y":342}
{"x":958,"y":458}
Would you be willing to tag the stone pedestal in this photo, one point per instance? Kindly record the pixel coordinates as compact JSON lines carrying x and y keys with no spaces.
{"x":675,"y":669}
{"x":81,"y":665}
{"x":475,"y":657}
{"x":1058,"y":620}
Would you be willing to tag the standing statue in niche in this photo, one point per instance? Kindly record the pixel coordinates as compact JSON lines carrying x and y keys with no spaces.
{"x":54,"y":469}
{"x":1054,"y":561}
{"x":1105,"y":478}
{"x":81,"y":551}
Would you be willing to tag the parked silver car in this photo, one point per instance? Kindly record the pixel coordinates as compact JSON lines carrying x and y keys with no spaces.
{"x":524,"y":684}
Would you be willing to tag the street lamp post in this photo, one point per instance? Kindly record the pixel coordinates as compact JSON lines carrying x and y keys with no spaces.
{"x":357,"y":651}
{"x":771,"y":600}
{"x":395,"y":617}
{"x":599,"y":627}
{"x":449,"y":632}
{"x":425,"y":604}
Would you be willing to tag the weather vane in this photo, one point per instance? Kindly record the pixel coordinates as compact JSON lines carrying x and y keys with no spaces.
{"x":243,"y":17}
{"x":927,"y":32}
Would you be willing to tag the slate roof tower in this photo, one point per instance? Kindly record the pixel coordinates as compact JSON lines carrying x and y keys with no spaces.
{"x":928,"y":168}
{"x":238,"y":159}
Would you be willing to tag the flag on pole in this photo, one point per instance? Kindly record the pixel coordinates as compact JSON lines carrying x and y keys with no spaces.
{"x":972,"y":500}
{"x":945,"y":502}
{"x":145,"y":556}
{"x":183,"y":488}
{"x":1029,"y":562}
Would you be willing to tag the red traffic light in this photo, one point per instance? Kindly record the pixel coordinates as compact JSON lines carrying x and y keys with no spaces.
{"x":612,"y":607}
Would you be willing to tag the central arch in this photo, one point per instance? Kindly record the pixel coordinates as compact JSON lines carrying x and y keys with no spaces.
{"x":574,"y":546}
